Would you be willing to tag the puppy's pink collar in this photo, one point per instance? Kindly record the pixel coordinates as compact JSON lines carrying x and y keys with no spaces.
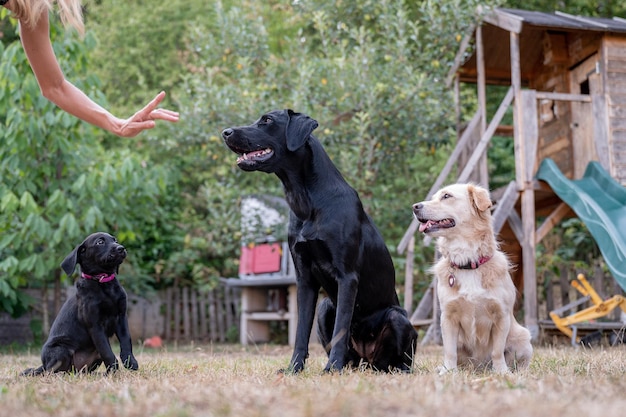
{"x":100,"y":277}
{"x":472,"y":265}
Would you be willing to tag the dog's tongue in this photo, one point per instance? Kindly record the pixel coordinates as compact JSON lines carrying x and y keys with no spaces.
{"x":424,"y":226}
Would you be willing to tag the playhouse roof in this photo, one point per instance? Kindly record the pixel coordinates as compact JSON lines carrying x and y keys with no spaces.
{"x":514,"y":20}
{"x":531,"y":26}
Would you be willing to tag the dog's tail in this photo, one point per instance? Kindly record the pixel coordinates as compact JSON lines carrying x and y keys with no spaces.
{"x":32,"y":371}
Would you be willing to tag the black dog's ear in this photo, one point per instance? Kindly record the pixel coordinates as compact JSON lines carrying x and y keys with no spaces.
{"x":299,"y":128}
{"x":69,"y":263}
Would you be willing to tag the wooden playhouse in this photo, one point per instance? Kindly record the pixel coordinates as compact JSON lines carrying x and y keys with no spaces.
{"x":566,"y":79}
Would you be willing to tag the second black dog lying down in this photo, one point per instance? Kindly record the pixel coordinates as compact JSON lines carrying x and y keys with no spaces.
{"x":334,"y":245}
{"x":79,"y":336}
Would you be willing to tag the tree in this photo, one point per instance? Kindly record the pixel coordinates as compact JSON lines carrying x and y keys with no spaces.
{"x":57,"y":183}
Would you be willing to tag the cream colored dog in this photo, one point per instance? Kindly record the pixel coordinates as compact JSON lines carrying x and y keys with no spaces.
{"x":474,"y":287}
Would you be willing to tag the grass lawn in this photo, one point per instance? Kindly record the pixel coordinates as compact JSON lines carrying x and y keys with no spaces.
{"x":231,"y":380}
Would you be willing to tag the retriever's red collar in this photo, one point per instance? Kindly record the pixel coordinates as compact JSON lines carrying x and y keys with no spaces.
{"x":470,"y":265}
{"x":473,"y":264}
{"x":100,"y":277}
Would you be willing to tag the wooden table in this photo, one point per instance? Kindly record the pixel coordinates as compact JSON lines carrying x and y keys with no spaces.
{"x":264,"y":300}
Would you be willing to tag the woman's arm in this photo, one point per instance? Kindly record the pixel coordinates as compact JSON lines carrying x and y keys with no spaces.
{"x":54,"y":86}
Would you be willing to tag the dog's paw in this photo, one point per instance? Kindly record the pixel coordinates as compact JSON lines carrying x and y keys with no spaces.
{"x":502,"y":370}
{"x":443,"y":370}
{"x":293,"y":368}
{"x":131,"y":363}
{"x":333,"y":367}
{"x":112,"y":367}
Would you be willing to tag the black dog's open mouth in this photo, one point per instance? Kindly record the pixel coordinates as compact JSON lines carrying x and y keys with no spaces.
{"x":429,"y":226}
{"x":254,"y":156}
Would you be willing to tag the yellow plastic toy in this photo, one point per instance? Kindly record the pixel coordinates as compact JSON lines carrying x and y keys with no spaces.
{"x":569,"y":325}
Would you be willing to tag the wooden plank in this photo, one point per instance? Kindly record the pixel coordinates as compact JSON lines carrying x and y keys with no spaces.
{"x":185,"y":310}
{"x":203,"y":313}
{"x":483,"y":172}
{"x":506,"y":21}
{"x":504,"y":206}
{"x":221,"y":327}
{"x":424,"y":309}
{"x":529,"y":132}
{"x":529,"y":263}
{"x":230,"y":300}
{"x":565,"y":286}
{"x":527,"y":194}
{"x":176,"y":306}
{"x":516,"y":86}
{"x":486,"y":137}
{"x":168,"y":314}
{"x":515,"y":222}
{"x":408,"y":276}
{"x":481,"y":84}
{"x":600,"y":133}
{"x":545,"y":95}
{"x":213,"y":316}
{"x":193,"y":306}
{"x":460,"y":55}
{"x":552,"y":220}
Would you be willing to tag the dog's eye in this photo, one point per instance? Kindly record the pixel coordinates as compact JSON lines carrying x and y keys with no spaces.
{"x":445,"y":196}
{"x":100,"y":242}
{"x":266,"y":120}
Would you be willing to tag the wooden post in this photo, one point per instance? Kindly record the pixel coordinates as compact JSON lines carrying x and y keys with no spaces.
{"x":176,"y":306}
{"x":482,"y":171}
{"x":408,"y":276}
{"x":186,"y":318}
{"x":523,"y":129}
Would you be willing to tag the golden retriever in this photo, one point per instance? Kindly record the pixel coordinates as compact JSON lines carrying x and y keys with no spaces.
{"x":475,"y":289}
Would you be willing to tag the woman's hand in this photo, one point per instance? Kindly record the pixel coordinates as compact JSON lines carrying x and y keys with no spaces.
{"x":145,"y":118}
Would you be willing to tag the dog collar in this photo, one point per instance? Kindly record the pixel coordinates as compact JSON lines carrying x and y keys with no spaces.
{"x":100,"y":277}
{"x":469,"y":265}
{"x":472,"y":265}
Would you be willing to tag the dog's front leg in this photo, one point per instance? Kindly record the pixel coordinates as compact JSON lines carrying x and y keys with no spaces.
{"x":126,"y":345}
{"x":450,"y":339}
{"x":499,"y":334}
{"x":346,"y":298}
{"x":101,"y":342}
{"x":307,"y":299}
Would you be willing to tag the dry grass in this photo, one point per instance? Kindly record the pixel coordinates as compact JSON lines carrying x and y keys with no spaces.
{"x":241,"y":382}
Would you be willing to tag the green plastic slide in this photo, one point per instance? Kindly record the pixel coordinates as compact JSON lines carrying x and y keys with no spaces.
{"x":600,"y":202}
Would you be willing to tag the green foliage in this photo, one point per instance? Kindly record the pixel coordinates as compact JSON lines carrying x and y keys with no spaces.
{"x":371,"y":73}
{"x":141,"y":46}
{"x":56,"y":182}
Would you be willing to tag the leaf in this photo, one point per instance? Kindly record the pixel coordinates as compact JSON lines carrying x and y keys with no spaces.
{"x":6,"y":240}
{"x":27,"y":202}
{"x":9,"y":265}
{"x":9,"y":203}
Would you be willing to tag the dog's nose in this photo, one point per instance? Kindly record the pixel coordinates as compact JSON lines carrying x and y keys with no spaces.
{"x":120,"y":248}
{"x":227,"y":132}
{"x":417,"y":206}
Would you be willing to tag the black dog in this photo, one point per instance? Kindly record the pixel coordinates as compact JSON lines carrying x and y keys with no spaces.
{"x":335,"y":246}
{"x":79,"y":337}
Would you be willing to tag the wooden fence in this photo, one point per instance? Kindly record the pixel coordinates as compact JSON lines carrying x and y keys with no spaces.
{"x":192,"y":315}
{"x":176,"y":314}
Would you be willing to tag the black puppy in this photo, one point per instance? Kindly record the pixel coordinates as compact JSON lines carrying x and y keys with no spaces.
{"x":79,"y":337}
{"x":334,"y":245}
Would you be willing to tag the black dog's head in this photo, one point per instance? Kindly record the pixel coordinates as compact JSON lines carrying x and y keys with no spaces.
{"x":265,"y":142}
{"x":98,"y":254}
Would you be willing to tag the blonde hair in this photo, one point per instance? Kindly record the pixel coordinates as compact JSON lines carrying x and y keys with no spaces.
{"x":30,"y":11}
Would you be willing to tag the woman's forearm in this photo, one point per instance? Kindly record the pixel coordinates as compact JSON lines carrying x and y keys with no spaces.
{"x":72,"y":100}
